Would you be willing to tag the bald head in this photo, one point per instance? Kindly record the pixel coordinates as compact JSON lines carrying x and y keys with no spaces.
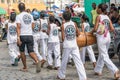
{"x":21,"y":7}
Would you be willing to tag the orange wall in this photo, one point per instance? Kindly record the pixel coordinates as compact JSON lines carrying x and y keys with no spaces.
{"x":38,"y":6}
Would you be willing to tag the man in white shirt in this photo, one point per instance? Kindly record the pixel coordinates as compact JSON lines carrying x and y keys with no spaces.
{"x":25,"y":23}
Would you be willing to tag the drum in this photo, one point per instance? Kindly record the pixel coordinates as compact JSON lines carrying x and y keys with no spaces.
{"x":86,"y":39}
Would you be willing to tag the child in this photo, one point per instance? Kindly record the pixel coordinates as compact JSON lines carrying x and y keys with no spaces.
{"x":43,"y":35}
{"x":36,"y":36}
{"x":12,"y":40}
{"x":53,"y":44}
{"x":86,"y":28}
{"x":69,"y":33}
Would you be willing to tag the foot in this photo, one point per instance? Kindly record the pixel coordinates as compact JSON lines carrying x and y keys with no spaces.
{"x":117,"y":75}
{"x":42,"y":62}
{"x":59,"y":78}
{"x":56,"y":68}
{"x":94,"y":64}
{"x":98,"y":74}
{"x":49,"y":67}
{"x":38,"y":67}
{"x":24,"y":70}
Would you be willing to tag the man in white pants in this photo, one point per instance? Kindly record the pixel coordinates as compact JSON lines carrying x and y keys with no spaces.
{"x":90,"y":53}
{"x":69,"y":32}
{"x":53,"y":44}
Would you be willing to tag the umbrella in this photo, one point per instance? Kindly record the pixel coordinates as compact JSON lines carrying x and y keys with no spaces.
{"x":2,"y":11}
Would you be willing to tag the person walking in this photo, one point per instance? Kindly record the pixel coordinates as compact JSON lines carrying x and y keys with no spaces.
{"x":25,"y":23}
{"x":69,"y":33}
{"x":12,"y":39}
{"x":102,"y":27}
{"x":86,"y":28}
{"x":53,"y":44}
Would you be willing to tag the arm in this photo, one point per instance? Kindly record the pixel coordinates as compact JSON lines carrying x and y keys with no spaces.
{"x":62,"y":32}
{"x":96,"y":24}
{"x":83,"y":28}
{"x":18,"y":30}
{"x":111,"y":27}
{"x":33,"y":25}
{"x":77,"y":30}
{"x":48,"y":32}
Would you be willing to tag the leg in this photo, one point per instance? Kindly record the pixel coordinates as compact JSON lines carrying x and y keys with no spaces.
{"x":30,"y":45}
{"x":82,"y":54}
{"x":100,"y":62}
{"x":79,"y":65}
{"x":57,"y":55}
{"x":50,"y":49}
{"x":62,"y":70}
{"x":43,"y":48}
{"x":12,"y":53}
{"x":91,"y":55}
{"x":36,"y":49}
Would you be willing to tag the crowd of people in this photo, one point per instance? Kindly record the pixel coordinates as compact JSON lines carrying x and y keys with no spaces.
{"x":41,"y":38}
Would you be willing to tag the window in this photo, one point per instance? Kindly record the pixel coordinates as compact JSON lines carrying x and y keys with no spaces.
{"x":2,"y":1}
{"x":8,"y":1}
{"x":14,"y":1}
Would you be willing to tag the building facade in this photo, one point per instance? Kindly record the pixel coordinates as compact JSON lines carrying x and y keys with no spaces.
{"x":8,"y":5}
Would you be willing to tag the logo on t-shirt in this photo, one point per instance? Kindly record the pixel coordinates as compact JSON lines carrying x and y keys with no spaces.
{"x":45,"y":26}
{"x":103,"y":26}
{"x":36,"y":28}
{"x":27,"y":19}
{"x":55,"y":32}
{"x":70,"y":32}
{"x":12,"y":30}
{"x":106,"y":22}
{"x":87,"y":28}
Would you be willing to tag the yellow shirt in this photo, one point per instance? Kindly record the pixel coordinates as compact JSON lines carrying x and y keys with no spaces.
{"x":94,"y":15}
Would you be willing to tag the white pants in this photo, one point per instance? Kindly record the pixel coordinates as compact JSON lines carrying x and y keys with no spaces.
{"x":43,"y":47}
{"x":103,"y":58}
{"x":90,"y":53}
{"x":54,"y":48}
{"x":13,"y":52}
{"x":36,"y":47}
{"x":77,"y":60}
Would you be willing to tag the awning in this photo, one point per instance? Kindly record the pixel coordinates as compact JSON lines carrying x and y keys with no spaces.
{"x":2,"y":11}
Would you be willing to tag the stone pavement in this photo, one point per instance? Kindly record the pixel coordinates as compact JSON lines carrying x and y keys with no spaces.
{"x":8,"y":72}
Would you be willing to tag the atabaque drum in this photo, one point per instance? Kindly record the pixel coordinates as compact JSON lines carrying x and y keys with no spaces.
{"x":86,"y":39}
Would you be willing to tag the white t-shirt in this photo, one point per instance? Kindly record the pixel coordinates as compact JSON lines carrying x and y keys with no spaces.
{"x":54,"y":34}
{"x":104,"y":19}
{"x":36,"y":29}
{"x":44,"y":26}
{"x":26,"y":20}
{"x":12,"y":33}
{"x":70,"y":35}
{"x":86,"y":27}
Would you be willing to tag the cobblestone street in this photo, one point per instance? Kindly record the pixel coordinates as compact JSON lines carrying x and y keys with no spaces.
{"x":7,"y":72}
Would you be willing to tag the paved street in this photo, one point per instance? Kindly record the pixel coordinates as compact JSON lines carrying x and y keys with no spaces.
{"x":7,"y":72}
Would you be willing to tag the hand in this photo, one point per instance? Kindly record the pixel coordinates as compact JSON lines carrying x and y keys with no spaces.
{"x":19,"y":42}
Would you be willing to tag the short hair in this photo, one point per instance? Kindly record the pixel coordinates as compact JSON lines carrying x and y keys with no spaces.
{"x":21,"y":7}
{"x":103,"y":7}
{"x":67,"y":15}
{"x":52,"y":19}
